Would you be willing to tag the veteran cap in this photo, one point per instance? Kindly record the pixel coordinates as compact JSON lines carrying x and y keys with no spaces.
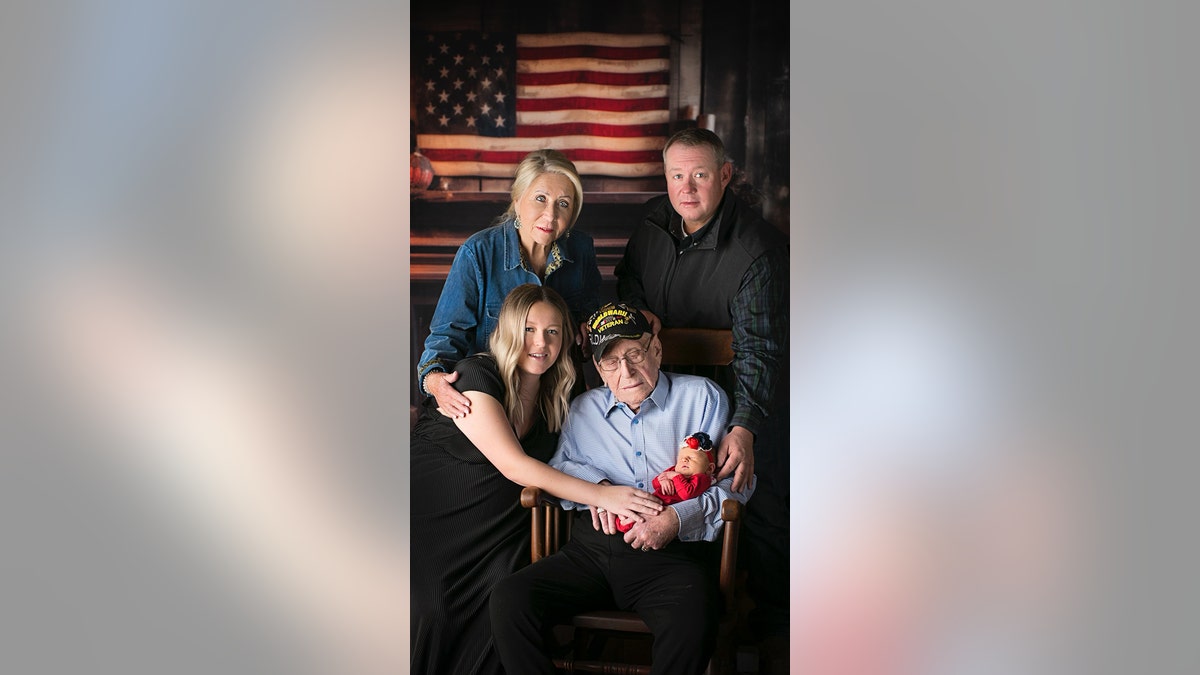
{"x":615,"y":321}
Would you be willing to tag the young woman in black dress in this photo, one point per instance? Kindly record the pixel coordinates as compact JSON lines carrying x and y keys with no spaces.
{"x":468,"y":528}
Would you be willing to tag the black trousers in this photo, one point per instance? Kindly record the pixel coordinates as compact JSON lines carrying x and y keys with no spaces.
{"x":674,"y":590}
{"x":763,"y":550}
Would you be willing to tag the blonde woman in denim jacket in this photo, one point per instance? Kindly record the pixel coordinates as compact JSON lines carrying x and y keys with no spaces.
{"x":532,"y":242}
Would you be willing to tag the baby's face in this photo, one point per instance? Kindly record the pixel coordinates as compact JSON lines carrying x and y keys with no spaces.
{"x":691,"y":462}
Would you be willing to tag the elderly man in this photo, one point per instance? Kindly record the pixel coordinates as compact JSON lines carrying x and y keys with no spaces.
{"x":665,"y":567}
{"x":703,"y":258}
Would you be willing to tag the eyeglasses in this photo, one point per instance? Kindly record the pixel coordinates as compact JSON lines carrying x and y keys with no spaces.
{"x":633,"y":356}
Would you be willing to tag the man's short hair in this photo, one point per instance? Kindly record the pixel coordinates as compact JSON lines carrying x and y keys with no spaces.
{"x":696,"y":137}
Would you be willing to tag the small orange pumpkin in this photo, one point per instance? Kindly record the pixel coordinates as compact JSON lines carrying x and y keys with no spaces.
{"x":420,"y":172}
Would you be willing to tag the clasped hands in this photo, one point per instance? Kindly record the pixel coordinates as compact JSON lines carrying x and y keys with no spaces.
{"x":654,"y":526}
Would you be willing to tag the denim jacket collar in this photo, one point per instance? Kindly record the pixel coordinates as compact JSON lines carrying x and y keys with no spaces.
{"x":513,"y":257}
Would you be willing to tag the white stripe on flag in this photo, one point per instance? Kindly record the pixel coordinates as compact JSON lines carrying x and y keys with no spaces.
{"x":646,"y":170}
{"x":593,"y":91}
{"x":491,"y":170}
{"x":594,"y":117}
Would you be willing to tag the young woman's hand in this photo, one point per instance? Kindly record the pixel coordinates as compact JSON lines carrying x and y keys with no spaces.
{"x":629,"y":502}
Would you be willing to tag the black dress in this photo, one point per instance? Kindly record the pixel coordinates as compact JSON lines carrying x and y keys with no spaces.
{"x":468,"y":532}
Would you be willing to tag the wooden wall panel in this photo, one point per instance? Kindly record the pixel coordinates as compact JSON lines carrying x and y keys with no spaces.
{"x":745,"y":84}
{"x":551,"y":16}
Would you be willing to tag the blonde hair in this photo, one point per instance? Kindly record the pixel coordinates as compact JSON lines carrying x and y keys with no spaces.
{"x":541,"y":162}
{"x":507,"y":343}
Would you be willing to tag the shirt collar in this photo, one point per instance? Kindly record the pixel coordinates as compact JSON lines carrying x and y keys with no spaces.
{"x":662,"y":391}
{"x":558,"y":257}
{"x":514,"y":257}
{"x":705,"y":237}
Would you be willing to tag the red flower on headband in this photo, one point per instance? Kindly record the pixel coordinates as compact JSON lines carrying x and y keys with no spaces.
{"x":701,"y":441}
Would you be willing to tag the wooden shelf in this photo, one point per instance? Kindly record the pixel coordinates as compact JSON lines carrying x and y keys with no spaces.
{"x":618,"y":197}
{"x":458,"y":196}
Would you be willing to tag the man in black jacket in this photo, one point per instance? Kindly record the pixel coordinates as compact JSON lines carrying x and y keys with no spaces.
{"x":701,"y":257}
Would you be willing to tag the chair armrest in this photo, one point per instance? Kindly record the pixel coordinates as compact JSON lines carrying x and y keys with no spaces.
{"x":550,"y":528}
{"x":731,"y":513}
{"x":531,"y":497}
{"x":731,"y":509}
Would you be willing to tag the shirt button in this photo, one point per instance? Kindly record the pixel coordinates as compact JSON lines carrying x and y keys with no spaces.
{"x":638,"y":453}
{"x":641,"y":484}
{"x":636,"y":421}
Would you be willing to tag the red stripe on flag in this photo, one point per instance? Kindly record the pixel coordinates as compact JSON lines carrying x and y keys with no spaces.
{"x":590,"y":103}
{"x":590,"y":77}
{"x":588,"y":155}
{"x":470,"y":155}
{"x":509,"y":157}
{"x":589,"y":129}
{"x":594,"y":52}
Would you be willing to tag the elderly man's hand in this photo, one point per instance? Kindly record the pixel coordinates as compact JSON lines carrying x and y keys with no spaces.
{"x":603,"y":520}
{"x":736,"y":456}
{"x":654,"y":532}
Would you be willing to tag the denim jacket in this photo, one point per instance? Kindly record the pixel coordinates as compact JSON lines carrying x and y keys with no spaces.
{"x":487,"y":266}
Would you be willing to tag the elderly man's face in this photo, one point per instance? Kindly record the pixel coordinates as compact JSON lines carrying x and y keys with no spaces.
{"x":634,"y":369}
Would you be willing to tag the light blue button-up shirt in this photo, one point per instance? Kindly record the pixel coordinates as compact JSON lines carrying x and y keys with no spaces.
{"x":603,"y":438}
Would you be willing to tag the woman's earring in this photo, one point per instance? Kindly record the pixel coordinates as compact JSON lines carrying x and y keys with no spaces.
{"x":517,"y":222}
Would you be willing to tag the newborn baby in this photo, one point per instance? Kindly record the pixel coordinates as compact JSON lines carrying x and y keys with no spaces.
{"x":691,"y":475}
